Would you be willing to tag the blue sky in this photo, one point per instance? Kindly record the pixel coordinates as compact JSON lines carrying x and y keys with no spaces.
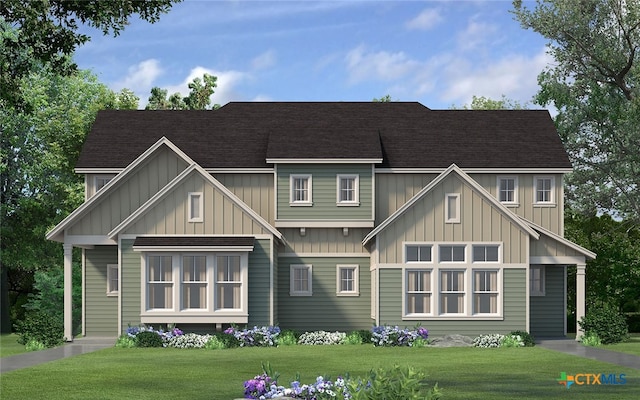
{"x":439,"y":53}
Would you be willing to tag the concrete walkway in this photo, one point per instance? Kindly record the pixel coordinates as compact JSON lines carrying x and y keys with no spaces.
{"x":570,"y":346}
{"x":78,"y":346}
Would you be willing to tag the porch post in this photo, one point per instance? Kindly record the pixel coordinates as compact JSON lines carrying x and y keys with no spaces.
{"x":68,"y":292}
{"x":580,"y":296}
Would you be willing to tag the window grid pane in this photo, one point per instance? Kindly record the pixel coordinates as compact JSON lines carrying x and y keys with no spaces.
{"x":418,"y":253}
{"x":418,"y":292}
{"x":194,"y":278}
{"x":452,"y":292}
{"x":452,"y":253}
{"x":507,"y":190}
{"x":160,"y":282}
{"x":347,"y":279}
{"x":228,"y":282}
{"x":485,"y":299}
{"x":485,"y":253}
{"x":347,"y":189}
{"x":543,"y":190}
{"x":300,"y":189}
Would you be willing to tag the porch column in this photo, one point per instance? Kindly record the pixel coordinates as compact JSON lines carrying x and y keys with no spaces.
{"x":580,"y":296}
{"x":68,"y":292}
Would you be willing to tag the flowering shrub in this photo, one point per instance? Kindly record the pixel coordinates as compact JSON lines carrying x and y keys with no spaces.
{"x":488,"y":341}
{"x":263,"y":336}
{"x":512,"y":341}
{"x":322,"y":338}
{"x":394,"y":336}
{"x":134,"y":331}
{"x":188,"y":341}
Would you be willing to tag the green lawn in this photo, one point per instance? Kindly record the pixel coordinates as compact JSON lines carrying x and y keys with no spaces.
{"x":9,"y":345}
{"x":631,"y":346}
{"x":462,"y":373}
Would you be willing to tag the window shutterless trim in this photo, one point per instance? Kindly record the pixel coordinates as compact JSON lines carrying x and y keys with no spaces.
{"x":355,"y":280}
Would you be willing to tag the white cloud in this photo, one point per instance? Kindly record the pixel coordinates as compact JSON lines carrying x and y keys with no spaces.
{"x":224,"y":92}
{"x":140,"y":77}
{"x":363,"y":66}
{"x":264,"y":60}
{"x":426,"y":20}
{"x":475,"y":35}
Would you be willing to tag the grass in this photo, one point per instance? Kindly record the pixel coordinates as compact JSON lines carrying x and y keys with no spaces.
{"x":9,"y":345}
{"x":462,"y":373}
{"x":631,"y":346}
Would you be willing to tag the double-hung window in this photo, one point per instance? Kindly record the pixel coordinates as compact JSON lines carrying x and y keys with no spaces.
{"x":418,"y":292}
{"x":112,"y":280}
{"x":228,"y":282}
{"x":300,"y":190}
{"x":508,"y":189}
{"x":485,"y":292}
{"x":544,"y":189}
{"x":452,"y":292}
{"x":194,"y":282}
{"x":347,"y":190}
{"x":160,"y":282}
{"x":300,"y":280}
{"x":347,"y":281}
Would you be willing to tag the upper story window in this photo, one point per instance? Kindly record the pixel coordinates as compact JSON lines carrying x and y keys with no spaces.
{"x":544,"y":190}
{"x":348,"y":190}
{"x":452,"y":208}
{"x":486,"y":253}
{"x":101,"y":181}
{"x":301,"y":187}
{"x":451,"y":253}
{"x":195,"y":207}
{"x":508,"y":189}
{"x":418,"y":253}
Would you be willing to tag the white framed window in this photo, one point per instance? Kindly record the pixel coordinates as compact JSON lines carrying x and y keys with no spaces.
{"x":301,"y":190}
{"x":452,"y":253}
{"x":195,"y":207}
{"x":160,"y":282}
{"x":418,"y":253}
{"x":536,"y":280}
{"x":300,"y":280}
{"x":347,"y":280}
{"x":485,"y":292}
{"x":452,"y":208}
{"x":348,"y":190}
{"x":194,"y":282}
{"x":508,"y":189}
{"x":228,"y":282}
{"x":112,"y":280}
{"x":486,"y":253}
{"x":418,"y":298}
{"x":452,"y":292}
{"x":544,"y":190}
{"x":101,"y":180}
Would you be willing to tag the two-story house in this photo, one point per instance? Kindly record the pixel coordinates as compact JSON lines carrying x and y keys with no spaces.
{"x":332,"y":216}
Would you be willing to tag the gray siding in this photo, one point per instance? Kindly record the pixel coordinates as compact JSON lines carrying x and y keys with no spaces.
{"x":101,"y":317}
{"x":394,"y":190}
{"x":130,"y":285}
{"x":547,"y":312}
{"x":256,"y":190}
{"x":259,"y":267}
{"x":546,"y":246}
{"x":324,"y":240}
{"x":324,"y":310}
{"x":514,"y":307}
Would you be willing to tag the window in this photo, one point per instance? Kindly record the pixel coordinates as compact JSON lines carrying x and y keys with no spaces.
{"x":485,"y":253}
{"x":452,"y":253}
{"x":536,"y":280}
{"x":112,"y":279}
{"x":452,"y":292}
{"x":508,"y":189}
{"x":544,"y":189}
{"x":300,"y":284}
{"x":101,"y":181}
{"x":418,"y":253}
{"x":418,"y":286}
{"x":300,"y":190}
{"x":347,"y":284}
{"x":195,"y":207}
{"x":194,"y":282}
{"x":452,"y":207}
{"x":348,"y":190}
{"x":228,"y":282}
{"x":485,"y":292}
{"x":160,"y":280}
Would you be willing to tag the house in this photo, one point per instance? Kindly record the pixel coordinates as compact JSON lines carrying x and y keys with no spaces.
{"x":325,"y":215}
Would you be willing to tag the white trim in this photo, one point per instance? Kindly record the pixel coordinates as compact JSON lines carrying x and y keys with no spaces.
{"x":80,"y":240}
{"x":271,"y":285}
{"x":418,"y":244}
{"x":418,"y":266}
{"x":98,"y":170}
{"x":552,"y":191}
{"x":543,"y":282}
{"x":212,"y":235}
{"x":83,"y":310}
{"x":191,"y":211}
{"x":476,"y":170}
{"x":356,"y":280}
{"x":120,"y":263}
{"x":356,"y":190}
{"x":323,"y":223}
{"x":324,"y":160}
{"x":455,"y":219}
{"x":414,"y":268}
{"x":515,"y":201}
{"x":589,"y":254}
{"x":320,"y":255}
{"x":309,"y":190}
{"x":309,"y":269}
{"x":239,"y":170}
{"x":222,"y":318}
{"x":373,"y":192}
{"x":110,"y":268}
{"x":559,"y":260}
{"x":164,"y":249}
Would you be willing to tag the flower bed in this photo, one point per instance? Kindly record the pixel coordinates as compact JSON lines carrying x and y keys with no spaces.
{"x":394,"y":336}
{"x":264,"y":336}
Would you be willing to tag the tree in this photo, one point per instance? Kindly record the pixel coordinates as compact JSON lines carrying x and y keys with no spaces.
{"x":46,"y":32}
{"x":199,"y":97}
{"x":594,"y":86}
{"x":384,"y":99}
{"x":486,"y":103}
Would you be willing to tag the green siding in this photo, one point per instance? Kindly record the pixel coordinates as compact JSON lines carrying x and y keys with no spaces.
{"x":324,"y":192}
{"x":324,"y":310}
{"x":547,"y":312}
{"x":130,"y":285}
{"x":259,"y":283}
{"x":514,"y":306}
{"x":101,"y":318}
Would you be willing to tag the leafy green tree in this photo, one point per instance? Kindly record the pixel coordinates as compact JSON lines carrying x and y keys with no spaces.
{"x":384,"y":99}
{"x":593,"y":84}
{"x":199,"y":97}
{"x":33,"y":33}
{"x":487,"y":103}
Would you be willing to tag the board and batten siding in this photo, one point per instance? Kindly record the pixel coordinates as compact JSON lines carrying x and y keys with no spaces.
{"x":480,"y":221}
{"x":547,"y":312}
{"x":324,"y":192}
{"x":130,"y":271}
{"x":259,"y":293}
{"x":394,"y":190}
{"x":256,"y":190}
{"x":144,"y":182}
{"x":221,"y":215}
{"x":324,"y":240}
{"x":514,"y":307}
{"x":101,"y":311}
{"x":324,"y":310}
{"x":546,"y":246}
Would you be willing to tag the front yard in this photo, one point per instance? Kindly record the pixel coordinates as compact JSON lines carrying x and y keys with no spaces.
{"x":462,"y":373}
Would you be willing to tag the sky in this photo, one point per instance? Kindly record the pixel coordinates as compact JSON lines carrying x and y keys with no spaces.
{"x":439,"y":53}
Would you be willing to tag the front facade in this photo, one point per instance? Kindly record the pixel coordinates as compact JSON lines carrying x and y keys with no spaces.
{"x":332,"y":216}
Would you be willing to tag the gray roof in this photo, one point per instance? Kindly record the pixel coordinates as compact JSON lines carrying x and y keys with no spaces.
{"x":402,"y":134}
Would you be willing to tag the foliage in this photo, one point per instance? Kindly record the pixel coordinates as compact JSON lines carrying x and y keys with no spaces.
{"x":322,"y":338}
{"x":486,"y":103}
{"x":41,"y":326}
{"x":214,"y":343}
{"x":394,"y":336}
{"x":384,"y":99}
{"x":165,"y":336}
{"x":512,"y":341}
{"x":287,"y":338}
{"x":148,"y":339}
{"x":488,"y":341}
{"x":395,"y":383}
{"x":605,"y":321}
{"x":199,"y":97}
{"x":593,"y":83}
{"x":228,"y":340}
{"x":34,"y":345}
{"x":525,"y":336}
{"x":264,"y":336}
{"x":355,"y":338}
{"x":125,"y":342}
{"x":192,"y":341}
{"x":591,"y":339}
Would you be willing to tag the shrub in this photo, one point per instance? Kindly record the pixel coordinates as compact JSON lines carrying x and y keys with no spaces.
{"x":188,"y":341}
{"x":354,"y":338}
{"x":591,"y":339}
{"x":228,"y":340}
{"x":34,"y":345}
{"x":125,"y":342}
{"x":488,"y":341}
{"x":512,"y":341}
{"x":605,"y":321}
{"x":214,"y":343}
{"x":287,"y":338}
{"x":148,"y":339}
{"x":322,"y":338}
{"x":394,"y":336}
{"x":264,"y":336}
{"x":42,"y":327}
{"x":526,"y":337}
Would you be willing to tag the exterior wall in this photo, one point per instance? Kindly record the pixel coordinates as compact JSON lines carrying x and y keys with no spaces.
{"x":324,"y":192}
{"x":324,"y":240}
{"x":548,"y":311}
{"x":90,"y":183}
{"x":259,"y":267}
{"x":394,"y":190}
{"x":142,"y":184}
{"x":514,"y":307}
{"x":256,"y":190}
{"x":220,"y":214}
{"x":546,"y":246}
{"x":480,"y":221}
{"x":324,"y":310}
{"x":130,"y":284}
{"x":101,"y":311}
